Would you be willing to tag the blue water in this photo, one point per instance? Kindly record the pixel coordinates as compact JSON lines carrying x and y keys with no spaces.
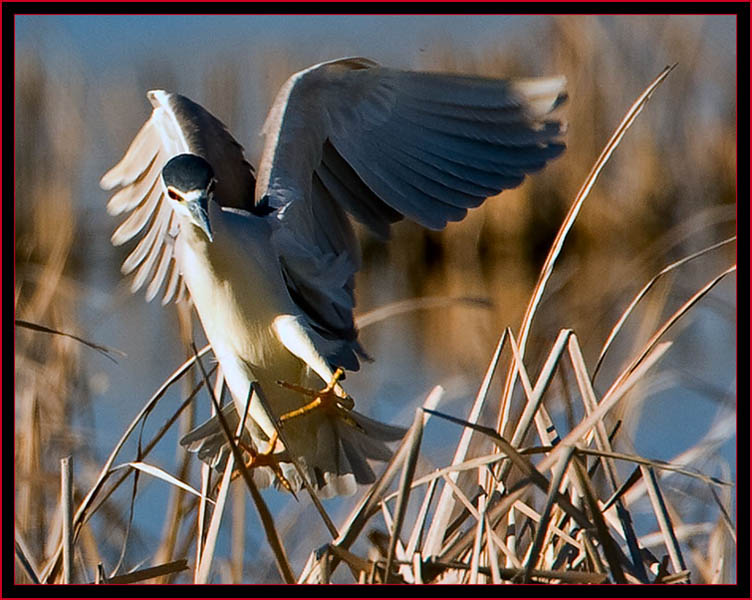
{"x":128,"y":51}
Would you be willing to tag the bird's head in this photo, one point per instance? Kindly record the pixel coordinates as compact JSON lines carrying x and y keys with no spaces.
{"x":189,"y":182}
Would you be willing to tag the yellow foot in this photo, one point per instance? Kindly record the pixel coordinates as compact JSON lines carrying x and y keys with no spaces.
{"x":254,"y":458}
{"x":327,"y":399}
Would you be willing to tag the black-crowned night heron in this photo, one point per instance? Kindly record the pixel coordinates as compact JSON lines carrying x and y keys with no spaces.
{"x":270,"y":262}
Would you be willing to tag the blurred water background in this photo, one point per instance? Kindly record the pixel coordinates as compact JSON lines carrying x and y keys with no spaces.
{"x":668,"y":191}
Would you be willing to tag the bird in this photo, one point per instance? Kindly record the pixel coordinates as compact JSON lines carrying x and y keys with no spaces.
{"x":268,"y":257}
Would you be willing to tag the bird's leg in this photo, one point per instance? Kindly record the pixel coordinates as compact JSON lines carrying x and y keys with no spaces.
{"x":254,"y":458}
{"x":327,"y":399}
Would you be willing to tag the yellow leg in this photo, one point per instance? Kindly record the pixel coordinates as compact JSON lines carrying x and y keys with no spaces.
{"x":255,"y":458}
{"x":326,"y":398}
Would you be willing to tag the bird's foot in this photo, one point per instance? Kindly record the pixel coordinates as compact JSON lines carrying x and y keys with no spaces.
{"x":329,"y":399}
{"x":253,"y":458}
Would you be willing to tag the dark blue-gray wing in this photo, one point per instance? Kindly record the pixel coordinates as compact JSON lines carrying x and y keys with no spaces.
{"x":349,"y":136}
{"x":388,"y":143}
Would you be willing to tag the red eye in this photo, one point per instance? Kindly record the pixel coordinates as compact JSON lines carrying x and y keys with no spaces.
{"x":173,"y":194}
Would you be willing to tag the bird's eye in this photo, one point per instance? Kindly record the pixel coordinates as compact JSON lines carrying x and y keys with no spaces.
{"x":174,"y":195}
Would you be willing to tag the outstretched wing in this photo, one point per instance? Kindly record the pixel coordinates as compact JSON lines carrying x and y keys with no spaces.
{"x":177,"y":125}
{"x":349,"y":136}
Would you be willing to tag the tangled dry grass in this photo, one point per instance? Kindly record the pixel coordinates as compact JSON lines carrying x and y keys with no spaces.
{"x":527,"y":496}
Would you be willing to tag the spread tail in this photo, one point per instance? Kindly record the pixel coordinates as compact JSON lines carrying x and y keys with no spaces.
{"x":332,"y":452}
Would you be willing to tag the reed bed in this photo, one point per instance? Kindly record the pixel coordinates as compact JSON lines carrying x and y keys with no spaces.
{"x":561,"y":334}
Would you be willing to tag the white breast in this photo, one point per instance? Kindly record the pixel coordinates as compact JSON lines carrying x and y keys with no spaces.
{"x":238,"y":291}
